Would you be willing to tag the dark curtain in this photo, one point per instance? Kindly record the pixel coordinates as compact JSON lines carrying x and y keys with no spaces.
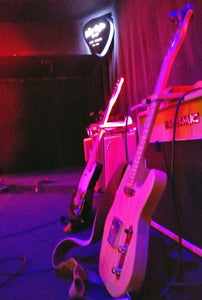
{"x":142,"y":37}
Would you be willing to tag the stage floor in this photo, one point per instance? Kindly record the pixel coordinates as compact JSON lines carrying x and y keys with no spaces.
{"x":31,"y":206}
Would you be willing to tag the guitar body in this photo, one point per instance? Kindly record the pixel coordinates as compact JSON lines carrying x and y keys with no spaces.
{"x":126,"y":234}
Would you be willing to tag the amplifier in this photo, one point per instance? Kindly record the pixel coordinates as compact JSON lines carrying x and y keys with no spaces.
{"x":189,"y":118}
{"x":111,"y":152}
{"x":187,"y":165}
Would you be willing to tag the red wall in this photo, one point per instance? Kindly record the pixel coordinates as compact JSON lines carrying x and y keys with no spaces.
{"x":41,"y":39}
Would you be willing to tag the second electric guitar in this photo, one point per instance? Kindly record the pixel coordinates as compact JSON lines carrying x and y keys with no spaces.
{"x":80,"y":206}
{"x":124,"y":248}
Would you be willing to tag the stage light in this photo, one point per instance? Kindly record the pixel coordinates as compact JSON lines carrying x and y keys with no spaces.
{"x":98,"y":34}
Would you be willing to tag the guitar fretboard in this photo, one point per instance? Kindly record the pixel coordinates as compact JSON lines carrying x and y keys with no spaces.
{"x":134,"y":169}
{"x":111,"y":103}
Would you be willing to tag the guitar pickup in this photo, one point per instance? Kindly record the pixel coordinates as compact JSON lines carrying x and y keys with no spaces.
{"x":115,"y":233}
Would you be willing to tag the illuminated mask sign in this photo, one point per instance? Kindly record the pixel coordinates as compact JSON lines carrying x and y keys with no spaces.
{"x":98,"y":34}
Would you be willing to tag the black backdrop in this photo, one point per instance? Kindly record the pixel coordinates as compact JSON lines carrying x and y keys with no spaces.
{"x":42,"y":124}
{"x":44,"y":110}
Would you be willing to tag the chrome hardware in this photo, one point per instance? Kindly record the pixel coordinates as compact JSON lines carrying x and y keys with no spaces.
{"x":116,"y":271}
{"x":129,"y":191}
{"x":122,"y":249}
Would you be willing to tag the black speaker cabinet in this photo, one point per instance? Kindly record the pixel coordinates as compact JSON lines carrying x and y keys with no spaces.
{"x":111,"y":154}
{"x":187,"y":184}
{"x":187,"y":164}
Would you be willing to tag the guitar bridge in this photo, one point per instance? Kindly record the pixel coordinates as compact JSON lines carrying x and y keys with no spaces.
{"x":123,"y":250}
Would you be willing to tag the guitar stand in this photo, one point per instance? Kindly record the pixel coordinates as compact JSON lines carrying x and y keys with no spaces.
{"x":175,"y":237}
{"x":73,"y":226}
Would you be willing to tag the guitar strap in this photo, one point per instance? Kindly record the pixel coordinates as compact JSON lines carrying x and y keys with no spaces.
{"x":70,"y":268}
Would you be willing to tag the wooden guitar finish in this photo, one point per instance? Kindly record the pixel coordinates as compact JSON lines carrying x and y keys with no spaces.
{"x":124,"y":248}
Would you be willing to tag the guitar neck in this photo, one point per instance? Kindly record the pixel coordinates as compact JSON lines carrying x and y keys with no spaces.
{"x":135,"y":171}
{"x":110,"y":105}
{"x":96,"y":144}
{"x":137,"y":166}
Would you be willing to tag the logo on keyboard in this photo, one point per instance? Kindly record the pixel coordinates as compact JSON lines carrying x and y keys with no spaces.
{"x":184,"y":120}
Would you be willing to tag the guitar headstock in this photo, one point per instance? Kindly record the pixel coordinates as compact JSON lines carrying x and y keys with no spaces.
{"x":181,"y":18}
{"x":178,"y":17}
{"x":117,"y":89}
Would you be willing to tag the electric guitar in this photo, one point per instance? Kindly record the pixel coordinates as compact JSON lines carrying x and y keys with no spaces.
{"x":124,"y":247}
{"x":81,"y":203}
